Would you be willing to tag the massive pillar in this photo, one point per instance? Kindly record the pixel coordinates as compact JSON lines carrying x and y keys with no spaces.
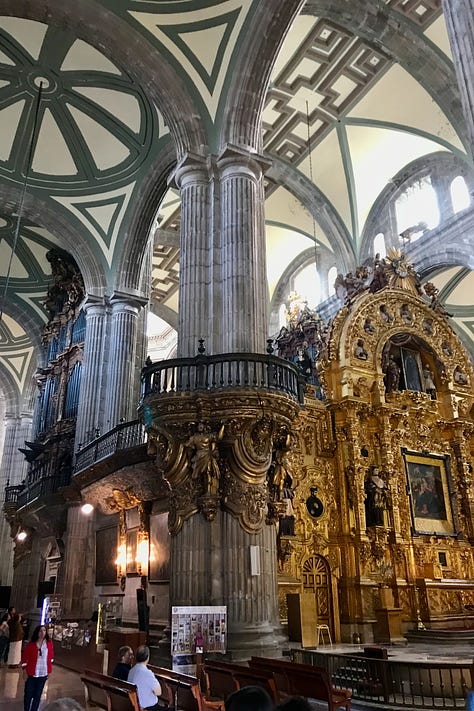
{"x":216,"y":421}
{"x":13,"y":472}
{"x":243,"y":275}
{"x":121,"y":396}
{"x":91,"y":402}
{"x":79,"y":566}
{"x":459,"y":15}
{"x":196,"y":247}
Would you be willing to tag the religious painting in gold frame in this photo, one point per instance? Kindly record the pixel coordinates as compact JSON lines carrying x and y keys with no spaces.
{"x":132,"y":545}
{"x":105,"y":556}
{"x":159,"y":563}
{"x":430,"y":491}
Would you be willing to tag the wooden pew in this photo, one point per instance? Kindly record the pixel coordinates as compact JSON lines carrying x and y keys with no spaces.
{"x":109,"y":693}
{"x":220,"y":682}
{"x":223,"y":678}
{"x":184,"y":689}
{"x":278,"y":667}
{"x":305,"y":680}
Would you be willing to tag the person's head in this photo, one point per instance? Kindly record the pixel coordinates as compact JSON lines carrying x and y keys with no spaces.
{"x":249,"y":698}
{"x":125,"y":655}
{"x":64,"y":704}
{"x":40,"y":633}
{"x":294,"y":703}
{"x":12,"y":611}
{"x":142,"y":654}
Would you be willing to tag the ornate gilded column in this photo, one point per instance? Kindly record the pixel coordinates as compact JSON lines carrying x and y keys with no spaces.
{"x":91,"y":401}
{"x":122,"y":359}
{"x":214,"y":451}
{"x":196,"y":255}
{"x":242,"y":231}
{"x":459,"y":15}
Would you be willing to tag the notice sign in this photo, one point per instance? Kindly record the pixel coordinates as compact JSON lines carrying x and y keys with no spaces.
{"x":198,"y":629}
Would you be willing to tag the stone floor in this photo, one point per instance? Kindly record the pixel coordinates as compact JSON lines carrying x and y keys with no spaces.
{"x":60,"y":683}
{"x":63,"y":682}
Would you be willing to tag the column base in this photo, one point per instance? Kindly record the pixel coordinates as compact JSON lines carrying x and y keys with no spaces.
{"x":256,"y":641}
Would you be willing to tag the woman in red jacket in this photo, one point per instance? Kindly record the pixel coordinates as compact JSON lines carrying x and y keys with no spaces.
{"x":37,"y":658}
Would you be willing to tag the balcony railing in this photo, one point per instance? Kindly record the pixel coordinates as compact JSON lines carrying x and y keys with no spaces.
{"x":12,"y":493}
{"x":124,"y":436}
{"x":40,"y":483}
{"x":397,"y":683}
{"x":224,"y":371}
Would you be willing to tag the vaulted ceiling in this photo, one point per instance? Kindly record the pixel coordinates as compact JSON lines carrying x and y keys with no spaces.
{"x":97,"y":89}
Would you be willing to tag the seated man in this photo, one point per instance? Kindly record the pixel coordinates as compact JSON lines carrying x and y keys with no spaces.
{"x":124,"y":664}
{"x":148,"y":686}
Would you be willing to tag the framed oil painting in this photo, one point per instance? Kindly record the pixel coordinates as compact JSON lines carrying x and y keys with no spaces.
{"x":106,"y":556}
{"x":429,"y":488}
{"x":132,"y":538}
{"x":159,"y":563}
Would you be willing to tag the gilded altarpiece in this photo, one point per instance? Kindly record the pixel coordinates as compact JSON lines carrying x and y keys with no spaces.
{"x":388,"y":454}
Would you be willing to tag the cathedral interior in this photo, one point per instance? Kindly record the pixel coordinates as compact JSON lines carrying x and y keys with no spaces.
{"x":236,"y":321}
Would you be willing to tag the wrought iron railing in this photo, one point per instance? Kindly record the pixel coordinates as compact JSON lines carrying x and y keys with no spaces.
{"x":224,"y":371}
{"x":124,"y":436}
{"x":420,"y":684}
{"x":12,"y":493}
{"x":40,"y":483}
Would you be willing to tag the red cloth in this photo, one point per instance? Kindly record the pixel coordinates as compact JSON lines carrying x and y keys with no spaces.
{"x":29,"y":657}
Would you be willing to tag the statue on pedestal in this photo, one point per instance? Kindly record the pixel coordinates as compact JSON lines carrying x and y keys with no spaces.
{"x":375,"y":498}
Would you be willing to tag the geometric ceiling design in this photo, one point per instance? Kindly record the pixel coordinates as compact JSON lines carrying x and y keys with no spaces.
{"x":346,"y":111}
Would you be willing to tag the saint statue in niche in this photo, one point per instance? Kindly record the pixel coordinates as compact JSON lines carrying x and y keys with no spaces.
{"x":428,"y":382}
{"x":392,"y":375}
{"x":375,"y":498}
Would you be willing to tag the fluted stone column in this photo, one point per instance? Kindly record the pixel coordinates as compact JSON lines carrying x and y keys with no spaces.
{"x":90,"y":413}
{"x":13,"y":471}
{"x":243,"y":276}
{"x":27,"y":573}
{"x":218,"y":554}
{"x":459,"y":15}
{"x":196,"y":262}
{"x":121,"y":395}
{"x":79,"y":578}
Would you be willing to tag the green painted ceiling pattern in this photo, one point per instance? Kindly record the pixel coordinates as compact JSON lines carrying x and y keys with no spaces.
{"x":99,"y":133}
{"x":198,"y":38}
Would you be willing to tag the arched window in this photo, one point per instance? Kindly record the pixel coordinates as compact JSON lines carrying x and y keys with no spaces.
{"x":460,"y":198}
{"x":417,"y":209}
{"x":379,"y":245}
{"x":332,"y":274}
{"x":307,"y":284}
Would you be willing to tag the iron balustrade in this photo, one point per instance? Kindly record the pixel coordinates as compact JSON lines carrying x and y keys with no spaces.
{"x":223,"y":371}
{"x":40,"y":483}
{"x":421,"y":684}
{"x":12,"y":493}
{"x":124,"y":436}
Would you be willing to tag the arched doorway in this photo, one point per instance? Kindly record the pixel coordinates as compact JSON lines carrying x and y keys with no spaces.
{"x":317,"y":579}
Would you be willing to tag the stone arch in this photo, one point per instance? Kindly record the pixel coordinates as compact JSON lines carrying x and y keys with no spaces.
{"x":45,"y":213}
{"x":315,"y":202}
{"x":251,"y":73}
{"x":135,"y":244}
{"x":452,"y":165}
{"x":13,"y":400}
{"x":103,"y":28}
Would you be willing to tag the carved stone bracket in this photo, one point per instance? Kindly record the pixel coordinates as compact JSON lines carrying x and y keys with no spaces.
{"x":214,"y":451}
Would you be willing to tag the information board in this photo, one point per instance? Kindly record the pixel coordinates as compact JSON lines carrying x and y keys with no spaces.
{"x":202,"y":627}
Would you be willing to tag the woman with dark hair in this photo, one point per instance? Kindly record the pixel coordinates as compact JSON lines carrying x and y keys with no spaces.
{"x":37,"y":658}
